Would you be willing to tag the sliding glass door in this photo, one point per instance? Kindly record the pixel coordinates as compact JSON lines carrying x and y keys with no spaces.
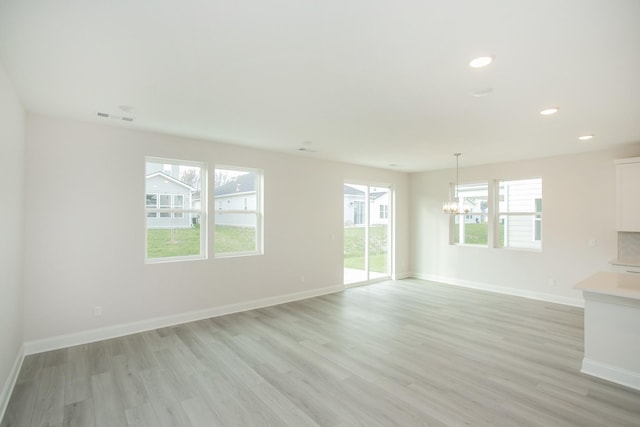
{"x":367,"y":228}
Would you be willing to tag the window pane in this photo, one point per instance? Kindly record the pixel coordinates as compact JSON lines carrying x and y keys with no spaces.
{"x":235,"y":182}
{"x":469,"y":231}
{"x":152,"y":203}
{"x":237,"y":219}
{"x":519,"y":231}
{"x":520,"y":196}
{"x":165,"y":203}
{"x":235,"y":232}
{"x":174,"y":186}
{"x":172,"y":241}
{"x":384,"y":211}
{"x":178,"y":203}
{"x":520,"y":218}
{"x":152,"y":200}
{"x":472,"y":228}
{"x":537,"y":235}
{"x":378,"y":248}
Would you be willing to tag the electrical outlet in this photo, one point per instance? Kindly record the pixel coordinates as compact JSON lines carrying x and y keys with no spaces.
{"x":302,"y":279}
{"x":552,"y":283}
{"x":97,"y":310}
{"x":592,"y":243}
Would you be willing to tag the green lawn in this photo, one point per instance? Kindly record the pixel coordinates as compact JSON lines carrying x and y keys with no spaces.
{"x":477,"y":234}
{"x":230,"y":239}
{"x":354,"y":242}
{"x":164,"y":242}
{"x":377,"y":263}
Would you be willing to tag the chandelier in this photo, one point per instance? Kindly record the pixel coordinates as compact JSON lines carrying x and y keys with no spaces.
{"x":455,"y":206}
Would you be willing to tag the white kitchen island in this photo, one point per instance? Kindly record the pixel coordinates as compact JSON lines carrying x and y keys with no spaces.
{"x":612,"y":327}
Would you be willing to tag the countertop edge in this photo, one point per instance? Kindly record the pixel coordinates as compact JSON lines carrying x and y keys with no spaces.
{"x":609,"y":283}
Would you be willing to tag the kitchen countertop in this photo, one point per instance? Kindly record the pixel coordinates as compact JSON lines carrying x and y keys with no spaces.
{"x":608,"y":283}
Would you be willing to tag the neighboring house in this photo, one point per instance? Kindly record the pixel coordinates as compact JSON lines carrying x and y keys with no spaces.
{"x":196,"y":202}
{"x":477,"y":210}
{"x":379,"y":210}
{"x":523,"y":231}
{"x":474,"y":199}
{"x":166,"y":192}
{"x":354,"y":207}
{"x":234,"y":197}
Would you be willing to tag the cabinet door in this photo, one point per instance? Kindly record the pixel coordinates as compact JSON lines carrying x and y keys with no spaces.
{"x":628,"y":196}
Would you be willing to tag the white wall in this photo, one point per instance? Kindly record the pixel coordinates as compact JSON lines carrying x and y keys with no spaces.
{"x":12,"y":124}
{"x":85,"y":234}
{"x":578,"y":205}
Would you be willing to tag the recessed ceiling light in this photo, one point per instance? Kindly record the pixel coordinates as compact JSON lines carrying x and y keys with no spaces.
{"x":549,"y":111}
{"x":585,"y":137}
{"x":481,"y":61}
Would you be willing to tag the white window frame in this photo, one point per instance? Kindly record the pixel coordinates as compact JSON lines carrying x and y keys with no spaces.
{"x":202,"y":211}
{"x":537,"y":219}
{"x":146,"y":205}
{"x":537,"y":216}
{"x":463,"y":216}
{"x":494,"y":214}
{"x":258,"y":212}
{"x":384,"y":212}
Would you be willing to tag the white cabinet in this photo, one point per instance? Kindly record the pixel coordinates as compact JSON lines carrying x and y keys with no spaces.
{"x":628,"y":194}
{"x":611,"y":332}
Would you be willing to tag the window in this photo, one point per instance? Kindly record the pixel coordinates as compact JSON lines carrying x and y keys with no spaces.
{"x":537,"y":221}
{"x":384,"y":211}
{"x":152,"y":202}
{"x":367,"y":236}
{"x":520,"y":213}
{"x":175,"y":215}
{"x":472,"y":226}
{"x":165,"y":205}
{"x":178,"y":204}
{"x":238,"y":219}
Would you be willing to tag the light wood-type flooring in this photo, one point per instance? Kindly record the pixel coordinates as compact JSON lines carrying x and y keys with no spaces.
{"x":397,"y":353}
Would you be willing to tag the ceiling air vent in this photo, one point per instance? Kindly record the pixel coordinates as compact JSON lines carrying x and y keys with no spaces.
{"x":115,"y":117}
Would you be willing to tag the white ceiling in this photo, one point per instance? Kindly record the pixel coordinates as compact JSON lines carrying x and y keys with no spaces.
{"x":372,"y":82}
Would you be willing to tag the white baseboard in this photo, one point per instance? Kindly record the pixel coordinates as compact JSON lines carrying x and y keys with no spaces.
{"x":84,"y":337}
{"x":575,"y":302}
{"x":10,"y":383}
{"x":400,"y":276}
{"x":611,"y":373}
